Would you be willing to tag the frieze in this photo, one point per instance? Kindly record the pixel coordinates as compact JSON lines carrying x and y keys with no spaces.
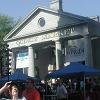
{"x":25,"y":41}
{"x":49,"y":36}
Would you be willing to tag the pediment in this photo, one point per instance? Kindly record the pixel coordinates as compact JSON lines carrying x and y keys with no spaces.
{"x":41,"y":20}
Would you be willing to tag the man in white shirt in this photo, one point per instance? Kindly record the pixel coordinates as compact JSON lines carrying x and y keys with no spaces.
{"x":61,"y":91}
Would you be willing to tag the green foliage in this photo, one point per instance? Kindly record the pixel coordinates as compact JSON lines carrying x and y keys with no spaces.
{"x":6,"y":24}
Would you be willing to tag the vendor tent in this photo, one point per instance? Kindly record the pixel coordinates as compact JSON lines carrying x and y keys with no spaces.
{"x":18,"y":76}
{"x":74,"y":69}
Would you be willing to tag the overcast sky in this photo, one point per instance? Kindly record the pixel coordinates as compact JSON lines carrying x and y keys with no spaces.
{"x":20,"y":8}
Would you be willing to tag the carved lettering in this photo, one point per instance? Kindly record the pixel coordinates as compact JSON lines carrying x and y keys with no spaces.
{"x":46,"y":36}
{"x":75,"y":51}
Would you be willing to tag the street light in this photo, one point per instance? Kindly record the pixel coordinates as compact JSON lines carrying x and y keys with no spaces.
{"x":7,"y":54}
{"x":0,"y":61}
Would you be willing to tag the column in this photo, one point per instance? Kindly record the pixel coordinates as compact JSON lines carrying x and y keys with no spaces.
{"x":13,"y":61}
{"x":31,"y":69}
{"x":66,"y":56}
{"x":59,"y":59}
{"x":66,"y":47}
{"x":88,"y":50}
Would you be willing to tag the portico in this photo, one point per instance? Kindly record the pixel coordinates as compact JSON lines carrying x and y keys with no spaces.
{"x":51,"y":37}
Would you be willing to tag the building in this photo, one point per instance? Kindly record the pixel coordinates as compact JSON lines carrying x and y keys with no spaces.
{"x":48,"y":39}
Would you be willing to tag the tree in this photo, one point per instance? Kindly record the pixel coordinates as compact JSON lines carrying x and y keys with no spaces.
{"x":6,"y":24}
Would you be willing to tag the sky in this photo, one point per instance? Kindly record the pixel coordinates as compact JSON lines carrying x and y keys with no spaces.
{"x":21,"y":8}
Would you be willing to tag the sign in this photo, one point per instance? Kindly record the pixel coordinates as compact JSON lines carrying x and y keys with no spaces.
{"x":74,"y":51}
{"x":74,"y":54}
{"x":22,"y":60}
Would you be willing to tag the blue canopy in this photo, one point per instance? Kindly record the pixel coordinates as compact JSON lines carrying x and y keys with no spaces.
{"x":18,"y":76}
{"x":74,"y":69}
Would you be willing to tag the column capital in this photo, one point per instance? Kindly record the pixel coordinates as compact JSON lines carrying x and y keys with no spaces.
{"x":30,"y":46}
{"x":87,"y":36}
{"x":57,"y":41}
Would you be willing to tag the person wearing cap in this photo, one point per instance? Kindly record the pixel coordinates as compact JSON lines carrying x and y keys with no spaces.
{"x":30,"y":92}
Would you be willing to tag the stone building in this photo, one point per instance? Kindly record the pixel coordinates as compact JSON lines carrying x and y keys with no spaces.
{"x":48,"y":39}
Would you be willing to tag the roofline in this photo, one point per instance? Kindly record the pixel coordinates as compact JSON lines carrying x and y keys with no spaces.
{"x":33,"y":12}
{"x":48,"y":30}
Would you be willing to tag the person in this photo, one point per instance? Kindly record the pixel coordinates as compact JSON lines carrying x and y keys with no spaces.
{"x":5,"y":87}
{"x":14,"y":92}
{"x":61,"y":91}
{"x":30,"y":92}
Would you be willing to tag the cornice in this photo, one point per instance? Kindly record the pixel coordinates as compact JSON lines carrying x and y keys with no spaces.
{"x":46,"y":31}
{"x":36,"y":10}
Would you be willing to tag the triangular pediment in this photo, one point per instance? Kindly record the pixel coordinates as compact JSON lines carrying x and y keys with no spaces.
{"x":41,"y":20}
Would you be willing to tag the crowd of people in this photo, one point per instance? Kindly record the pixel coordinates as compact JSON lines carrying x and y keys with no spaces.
{"x":29,"y":91}
{"x":13,"y":92}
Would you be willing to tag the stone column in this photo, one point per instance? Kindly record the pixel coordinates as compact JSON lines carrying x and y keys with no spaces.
{"x":88,"y":50}
{"x":59,"y":59}
{"x":66,"y":48}
{"x":13,"y":61}
{"x":31,"y":69}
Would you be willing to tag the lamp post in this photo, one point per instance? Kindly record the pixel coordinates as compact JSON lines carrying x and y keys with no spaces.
{"x":7,"y":54}
{"x":1,"y":59}
{"x":4,"y":59}
{"x":0,"y":62}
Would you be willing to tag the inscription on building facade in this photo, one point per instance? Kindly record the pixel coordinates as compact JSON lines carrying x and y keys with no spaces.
{"x":46,"y":37}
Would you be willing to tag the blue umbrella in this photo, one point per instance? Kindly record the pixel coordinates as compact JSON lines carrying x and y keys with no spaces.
{"x":18,"y":76}
{"x":74,"y":69}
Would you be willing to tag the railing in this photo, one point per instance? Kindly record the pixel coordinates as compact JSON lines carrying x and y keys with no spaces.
{"x":75,"y":96}
{"x":49,"y":97}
